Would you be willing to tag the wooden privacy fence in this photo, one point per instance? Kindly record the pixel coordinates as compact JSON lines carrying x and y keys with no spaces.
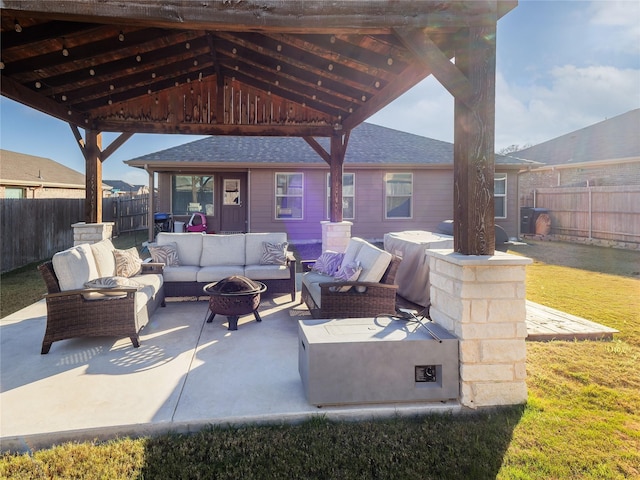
{"x":602,"y":213}
{"x":129,"y":214}
{"x":35,"y":229}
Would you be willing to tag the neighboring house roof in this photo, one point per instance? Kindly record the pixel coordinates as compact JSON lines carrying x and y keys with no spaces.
{"x":20,"y":169}
{"x":615,"y":138}
{"x":122,"y":186}
{"x":368,"y":145}
{"x":27,"y":170}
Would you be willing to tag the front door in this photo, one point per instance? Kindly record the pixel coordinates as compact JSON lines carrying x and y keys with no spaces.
{"x":233,"y":209}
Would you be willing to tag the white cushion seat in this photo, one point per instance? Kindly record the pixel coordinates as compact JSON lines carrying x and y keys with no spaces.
{"x":218,"y":272}
{"x":183,"y":273}
{"x":266,"y":272}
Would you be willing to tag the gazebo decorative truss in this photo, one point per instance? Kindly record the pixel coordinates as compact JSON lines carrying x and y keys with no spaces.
{"x":259,"y":67}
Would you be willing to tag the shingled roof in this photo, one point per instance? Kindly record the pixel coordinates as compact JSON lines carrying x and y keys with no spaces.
{"x":368,"y":145}
{"x":615,"y":138}
{"x":28,"y":170}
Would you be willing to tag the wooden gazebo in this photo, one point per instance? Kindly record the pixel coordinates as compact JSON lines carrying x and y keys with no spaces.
{"x":216,"y":67}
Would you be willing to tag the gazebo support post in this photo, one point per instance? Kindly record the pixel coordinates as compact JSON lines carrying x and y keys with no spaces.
{"x":93,"y":177}
{"x":474,"y":131}
{"x":336,"y":232}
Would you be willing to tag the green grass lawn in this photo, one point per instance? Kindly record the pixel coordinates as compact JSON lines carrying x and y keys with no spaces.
{"x":582,"y":419}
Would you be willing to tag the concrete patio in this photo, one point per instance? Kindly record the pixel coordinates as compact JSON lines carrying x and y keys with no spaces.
{"x":187,"y":374}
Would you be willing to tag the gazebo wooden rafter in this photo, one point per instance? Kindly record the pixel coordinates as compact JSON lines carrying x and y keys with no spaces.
{"x":309,"y":69}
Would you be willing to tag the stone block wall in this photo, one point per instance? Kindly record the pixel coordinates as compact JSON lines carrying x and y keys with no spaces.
{"x":335,"y":236}
{"x":91,"y":232}
{"x":481,"y":300}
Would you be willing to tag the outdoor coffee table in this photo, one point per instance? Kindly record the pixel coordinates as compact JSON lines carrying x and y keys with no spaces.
{"x":234,"y":296}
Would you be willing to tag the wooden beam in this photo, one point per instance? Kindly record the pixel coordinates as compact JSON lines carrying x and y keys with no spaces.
{"x":338,"y":150}
{"x":78,"y":136}
{"x":432,"y":57}
{"x":326,"y":156}
{"x":409,"y":78}
{"x":473,"y":151}
{"x":117,"y":143}
{"x":269,"y":15}
{"x":93,"y":178}
{"x":15,"y":91}
{"x":275,"y":129}
{"x":219,"y":108}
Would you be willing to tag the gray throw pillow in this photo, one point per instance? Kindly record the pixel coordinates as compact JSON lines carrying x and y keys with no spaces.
{"x":274,"y":253}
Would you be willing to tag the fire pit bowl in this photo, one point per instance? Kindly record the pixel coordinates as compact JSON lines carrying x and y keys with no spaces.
{"x":234,"y":296}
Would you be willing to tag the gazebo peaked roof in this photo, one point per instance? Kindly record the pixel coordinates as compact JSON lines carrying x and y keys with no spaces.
{"x":308,"y":69}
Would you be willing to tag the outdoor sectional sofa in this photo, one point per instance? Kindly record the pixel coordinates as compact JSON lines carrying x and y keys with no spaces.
{"x":97,"y":290}
{"x":198,"y":259}
{"x":358,"y":283}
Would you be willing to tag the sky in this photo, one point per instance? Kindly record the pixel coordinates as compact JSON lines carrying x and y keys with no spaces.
{"x":560,"y":66}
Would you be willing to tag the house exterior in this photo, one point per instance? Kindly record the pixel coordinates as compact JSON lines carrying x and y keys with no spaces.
{"x":28,"y":176}
{"x":589,"y":181}
{"x":604,"y":154}
{"x":392,"y":181}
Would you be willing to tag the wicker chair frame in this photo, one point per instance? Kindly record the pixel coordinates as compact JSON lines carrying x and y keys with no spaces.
{"x":377,"y":299}
{"x":71,"y":315}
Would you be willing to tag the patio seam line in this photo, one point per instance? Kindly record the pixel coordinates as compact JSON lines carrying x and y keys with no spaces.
{"x":186,"y":377}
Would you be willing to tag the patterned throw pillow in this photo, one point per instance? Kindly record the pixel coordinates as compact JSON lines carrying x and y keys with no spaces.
{"x":274,"y":253}
{"x":167,"y":254}
{"x":112,"y":282}
{"x":348,"y":273}
{"x":328,"y":263}
{"x":128,"y":262}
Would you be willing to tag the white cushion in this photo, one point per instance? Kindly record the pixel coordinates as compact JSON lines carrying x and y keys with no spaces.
{"x":217,"y":273}
{"x":153,"y":280}
{"x":103,"y":256}
{"x":374,"y":263}
{"x":353,"y":247}
{"x":253,"y":243}
{"x":222,"y":250}
{"x":183,"y":273}
{"x":74,"y":267}
{"x":266,"y":272}
{"x":309,"y":278}
{"x":189,"y":246}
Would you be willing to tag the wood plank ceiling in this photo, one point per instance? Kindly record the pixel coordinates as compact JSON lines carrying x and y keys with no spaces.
{"x":241,"y":68}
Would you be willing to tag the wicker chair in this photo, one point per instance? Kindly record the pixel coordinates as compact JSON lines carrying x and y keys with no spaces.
{"x":71,"y":315}
{"x":378,"y":298}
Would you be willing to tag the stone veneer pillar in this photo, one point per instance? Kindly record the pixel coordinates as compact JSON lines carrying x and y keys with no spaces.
{"x":481,"y":299}
{"x":91,"y":232}
{"x":335,"y":235}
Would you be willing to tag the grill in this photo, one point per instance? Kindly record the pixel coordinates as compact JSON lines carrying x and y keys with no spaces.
{"x":234,"y":296}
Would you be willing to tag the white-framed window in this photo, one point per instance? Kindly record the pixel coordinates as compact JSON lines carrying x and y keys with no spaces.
{"x":14,"y":192}
{"x":500,"y":195}
{"x":289,"y":196}
{"x":348,"y":195}
{"x":192,"y":193}
{"x":398,"y":195}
